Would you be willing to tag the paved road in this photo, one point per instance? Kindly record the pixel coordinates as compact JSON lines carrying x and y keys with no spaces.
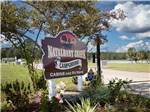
{"x":141,"y":80}
{"x":109,"y":74}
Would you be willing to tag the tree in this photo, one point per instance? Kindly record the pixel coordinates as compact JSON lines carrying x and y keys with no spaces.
{"x":147,"y":57}
{"x":15,"y":23}
{"x":132,"y":53}
{"x":81,"y":17}
{"x":141,"y":55}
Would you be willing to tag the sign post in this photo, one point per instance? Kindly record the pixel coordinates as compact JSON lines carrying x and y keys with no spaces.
{"x":51,"y":88}
{"x":80,"y":83}
{"x":64,"y":56}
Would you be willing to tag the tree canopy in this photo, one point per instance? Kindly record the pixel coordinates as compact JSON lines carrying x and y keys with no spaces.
{"x":81,"y":17}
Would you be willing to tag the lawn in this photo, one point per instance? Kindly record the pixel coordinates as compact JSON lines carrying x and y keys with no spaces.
{"x":129,"y":67}
{"x":12,"y":72}
{"x":90,"y":64}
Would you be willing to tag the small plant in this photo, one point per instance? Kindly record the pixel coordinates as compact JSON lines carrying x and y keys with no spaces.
{"x":85,"y":106}
{"x":96,"y":82}
{"x":114,"y":87}
{"x":17,"y":94}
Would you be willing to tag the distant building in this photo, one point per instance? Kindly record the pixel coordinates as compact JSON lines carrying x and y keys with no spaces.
{"x":8,"y":60}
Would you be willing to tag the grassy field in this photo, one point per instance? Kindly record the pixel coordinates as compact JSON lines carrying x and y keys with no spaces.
{"x":10,"y":73}
{"x":129,"y":67}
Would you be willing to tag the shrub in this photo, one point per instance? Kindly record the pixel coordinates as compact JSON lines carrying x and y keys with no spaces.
{"x":107,"y":94}
{"x":41,"y":83}
{"x":50,"y":106}
{"x":100,"y":94}
{"x":114,"y":87}
{"x":96,"y":82}
{"x":17,"y":94}
{"x":138,"y":101}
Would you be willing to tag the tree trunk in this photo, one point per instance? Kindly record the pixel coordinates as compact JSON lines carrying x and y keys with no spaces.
{"x":98,"y":59}
{"x":93,"y":57}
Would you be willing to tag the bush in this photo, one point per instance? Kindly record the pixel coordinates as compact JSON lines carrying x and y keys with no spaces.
{"x":41,"y":83}
{"x":107,"y":94}
{"x":100,"y":94}
{"x":138,"y":101}
{"x":50,"y":106}
{"x":96,"y":82}
{"x":17,"y":96}
{"x":114,"y":87}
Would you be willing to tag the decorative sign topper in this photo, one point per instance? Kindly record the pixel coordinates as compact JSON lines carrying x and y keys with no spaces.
{"x":64,"y":56}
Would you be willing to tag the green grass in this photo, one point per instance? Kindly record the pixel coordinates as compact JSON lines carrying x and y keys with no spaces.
{"x":68,"y":82}
{"x":10,"y":73}
{"x":129,"y":67}
{"x":90,"y":64}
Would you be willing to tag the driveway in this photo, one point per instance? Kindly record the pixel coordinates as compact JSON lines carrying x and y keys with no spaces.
{"x":141,"y":80}
{"x":109,"y":74}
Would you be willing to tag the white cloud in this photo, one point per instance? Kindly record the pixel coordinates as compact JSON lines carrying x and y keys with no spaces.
{"x":138,"y":45}
{"x":124,"y":37}
{"x":143,"y":35}
{"x":137,"y":20}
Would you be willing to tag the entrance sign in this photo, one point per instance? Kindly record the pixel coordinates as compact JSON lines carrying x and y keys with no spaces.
{"x":64,"y":56}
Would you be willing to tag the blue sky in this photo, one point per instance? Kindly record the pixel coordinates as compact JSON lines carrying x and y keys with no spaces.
{"x":134,"y":31}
